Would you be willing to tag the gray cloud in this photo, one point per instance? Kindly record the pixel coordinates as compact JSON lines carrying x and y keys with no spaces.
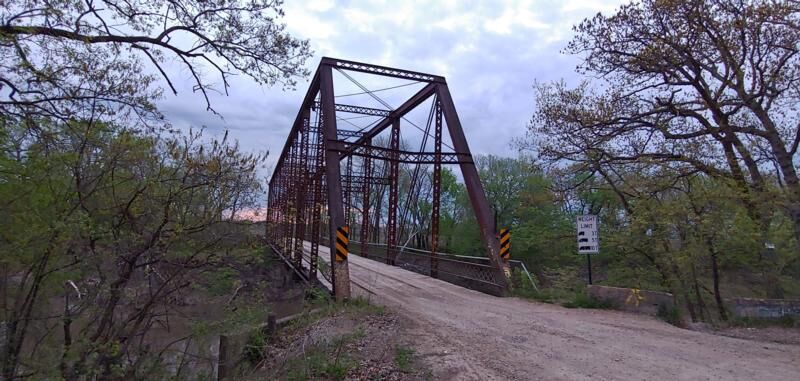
{"x":490,"y":52}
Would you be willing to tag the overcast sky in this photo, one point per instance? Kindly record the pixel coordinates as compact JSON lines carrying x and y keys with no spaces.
{"x":490,"y":52}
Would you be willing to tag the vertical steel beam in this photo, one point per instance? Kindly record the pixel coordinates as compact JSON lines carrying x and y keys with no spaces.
{"x":268,"y":225}
{"x":394,"y":185}
{"x":301,"y":189}
{"x":294,"y":202}
{"x":477,"y":196}
{"x":437,"y":190}
{"x":365,"y":199}
{"x":376,"y":233}
{"x":348,"y":190}
{"x":317,"y":199}
{"x":287,"y":204}
{"x":274,"y":183}
{"x":340,"y":271}
{"x":276,"y":205}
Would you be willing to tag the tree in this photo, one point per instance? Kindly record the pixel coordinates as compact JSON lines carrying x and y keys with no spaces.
{"x":543,"y":235}
{"x":452,"y":212}
{"x":503,"y":178}
{"x":703,"y":86}
{"x":67,"y":59}
{"x":112,"y":225}
{"x":108,"y":217}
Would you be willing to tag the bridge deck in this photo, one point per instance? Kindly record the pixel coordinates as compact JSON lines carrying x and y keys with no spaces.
{"x":472,"y":335}
{"x":366,"y":274}
{"x":470,"y":272}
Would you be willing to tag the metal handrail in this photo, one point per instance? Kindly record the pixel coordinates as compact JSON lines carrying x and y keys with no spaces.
{"x":513,"y":261}
{"x":454,"y":274}
{"x":442,"y":257}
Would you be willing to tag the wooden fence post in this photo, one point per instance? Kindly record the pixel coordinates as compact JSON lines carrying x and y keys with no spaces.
{"x":222,"y":359}
{"x":272,"y":325}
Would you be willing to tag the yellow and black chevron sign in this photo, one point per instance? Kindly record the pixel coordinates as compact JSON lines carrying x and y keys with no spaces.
{"x":505,"y":243}
{"x":342,"y":240}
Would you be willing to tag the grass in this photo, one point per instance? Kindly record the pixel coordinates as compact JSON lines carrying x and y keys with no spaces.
{"x":403,"y":357}
{"x":553,"y":296}
{"x":581,"y":300}
{"x":363,"y":305}
{"x":254,"y":347}
{"x":323,"y":267}
{"x":786,"y":321}
{"x":219,"y":282}
{"x":671,"y":315}
{"x":316,"y":295}
{"x":319,"y":364}
{"x":568,"y":299}
{"x":323,"y":306}
{"x":329,"y":360}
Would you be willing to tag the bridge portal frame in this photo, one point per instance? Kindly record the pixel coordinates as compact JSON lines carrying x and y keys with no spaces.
{"x":289,"y":206}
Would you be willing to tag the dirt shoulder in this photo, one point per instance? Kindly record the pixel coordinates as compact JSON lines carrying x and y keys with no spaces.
{"x":342,"y":342}
{"x":768,"y":334}
{"x":465,"y":335}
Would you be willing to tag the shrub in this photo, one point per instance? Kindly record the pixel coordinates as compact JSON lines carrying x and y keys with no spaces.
{"x":316,"y":295}
{"x":255,"y":348}
{"x":546,"y":295}
{"x":787,"y":321}
{"x":403,"y":356}
{"x":328,"y":361}
{"x":581,"y":300}
{"x":361,"y":304}
{"x":671,"y":315}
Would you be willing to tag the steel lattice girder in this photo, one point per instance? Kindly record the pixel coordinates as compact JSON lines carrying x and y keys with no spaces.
{"x":383,"y":153}
{"x":436,"y":191}
{"x":358,"y":110}
{"x":350,"y":134}
{"x":308,"y":181}
{"x":362,"y":179}
{"x":381,"y":70}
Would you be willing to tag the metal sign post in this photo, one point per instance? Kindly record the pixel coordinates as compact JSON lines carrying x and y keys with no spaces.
{"x":589,"y":266}
{"x":588,"y":239}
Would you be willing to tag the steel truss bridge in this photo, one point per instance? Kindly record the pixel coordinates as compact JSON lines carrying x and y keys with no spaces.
{"x":345,"y":185}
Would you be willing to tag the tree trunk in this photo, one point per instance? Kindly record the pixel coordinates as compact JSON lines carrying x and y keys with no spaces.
{"x":696,"y":286}
{"x":684,"y":291}
{"x":17,"y":325}
{"x":785,"y":162}
{"x":794,"y":214}
{"x":769,"y":263}
{"x":715,"y":274}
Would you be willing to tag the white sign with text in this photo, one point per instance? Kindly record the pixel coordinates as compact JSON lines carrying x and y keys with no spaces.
{"x":588,"y":239}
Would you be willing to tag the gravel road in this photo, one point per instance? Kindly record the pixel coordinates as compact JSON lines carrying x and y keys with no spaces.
{"x":467,"y":335}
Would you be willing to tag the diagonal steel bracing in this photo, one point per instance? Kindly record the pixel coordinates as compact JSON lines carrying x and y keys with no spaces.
{"x":328,"y":178}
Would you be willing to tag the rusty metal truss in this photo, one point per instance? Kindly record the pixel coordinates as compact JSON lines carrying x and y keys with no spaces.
{"x":328,"y":178}
{"x":358,"y":110}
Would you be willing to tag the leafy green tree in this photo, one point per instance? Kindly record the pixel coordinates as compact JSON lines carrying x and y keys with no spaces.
{"x":702,"y":86}
{"x":543,"y":236}
{"x":452,"y":211}
{"x":103,"y":227}
{"x":107,"y":216}
{"x":503,"y":179}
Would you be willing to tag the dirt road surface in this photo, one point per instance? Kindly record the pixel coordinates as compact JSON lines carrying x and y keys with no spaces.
{"x":467,"y":335}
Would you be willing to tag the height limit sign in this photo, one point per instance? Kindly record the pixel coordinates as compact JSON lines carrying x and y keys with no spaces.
{"x":588,"y":241}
